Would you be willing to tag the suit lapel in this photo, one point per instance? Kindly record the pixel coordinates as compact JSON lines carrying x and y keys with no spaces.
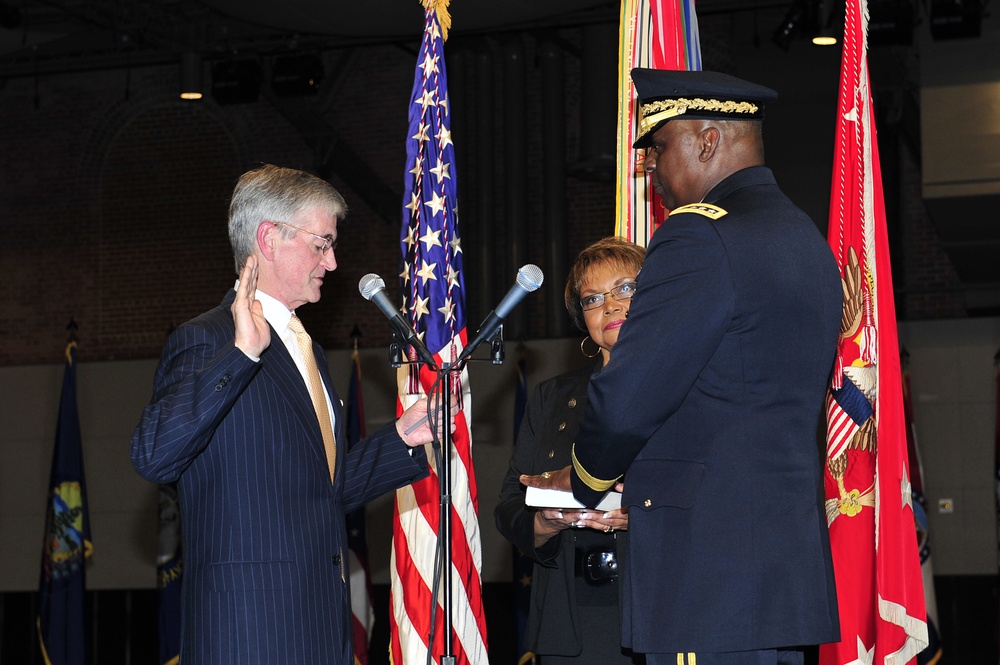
{"x":281,"y":369}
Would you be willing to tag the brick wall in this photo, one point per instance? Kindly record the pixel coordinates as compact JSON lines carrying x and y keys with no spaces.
{"x":114,"y":193}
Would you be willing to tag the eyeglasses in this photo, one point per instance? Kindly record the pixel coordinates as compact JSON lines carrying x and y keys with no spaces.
{"x":623,"y":291}
{"x":328,"y":240}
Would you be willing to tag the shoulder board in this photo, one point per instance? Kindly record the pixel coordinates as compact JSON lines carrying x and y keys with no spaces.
{"x":703,"y":209}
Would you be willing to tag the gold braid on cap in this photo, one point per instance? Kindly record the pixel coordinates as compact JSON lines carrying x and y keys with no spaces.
{"x":656,"y":112}
{"x":595,"y":484}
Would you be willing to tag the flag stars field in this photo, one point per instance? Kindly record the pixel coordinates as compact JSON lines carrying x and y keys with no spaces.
{"x":426,"y":99}
{"x":441,"y":171}
{"x":436,"y":204}
{"x":421,"y":136}
{"x":431,"y":239}
{"x":426,"y":272}
{"x":444,"y":136}
{"x":412,"y":206}
{"x":420,"y":307}
{"x":429,"y":65}
{"x":452,"y":277}
{"x":448,"y":309}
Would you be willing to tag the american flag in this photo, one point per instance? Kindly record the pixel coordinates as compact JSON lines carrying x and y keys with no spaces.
{"x":880,"y":592}
{"x":659,"y":34}
{"x":433,"y":291}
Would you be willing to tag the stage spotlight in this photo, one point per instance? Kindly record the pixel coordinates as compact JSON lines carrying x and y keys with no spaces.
{"x":236,"y":81}
{"x":956,"y":19}
{"x":890,"y":22}
{"x":297,"y":75}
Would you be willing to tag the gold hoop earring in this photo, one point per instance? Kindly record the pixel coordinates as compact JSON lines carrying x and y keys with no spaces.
{"x":584,"y":352}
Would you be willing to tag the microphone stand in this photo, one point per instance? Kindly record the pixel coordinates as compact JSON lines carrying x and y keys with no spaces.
{"x":396,"y":347}
{"x":444,"y":475}
{"x":446,"y":373}
{"x":444,"y":520}
{"x":496,"y":347}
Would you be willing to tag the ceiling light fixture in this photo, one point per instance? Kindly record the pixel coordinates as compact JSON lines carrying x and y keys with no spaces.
{"x":832,"y":24}
{"x":824,"y":37}
{"x":191,"y":75}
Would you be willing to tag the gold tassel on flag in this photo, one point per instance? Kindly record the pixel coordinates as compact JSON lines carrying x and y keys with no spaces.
{"x":440,"y":7}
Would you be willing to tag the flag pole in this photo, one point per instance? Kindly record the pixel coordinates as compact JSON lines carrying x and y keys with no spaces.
{"x":448,"y":657}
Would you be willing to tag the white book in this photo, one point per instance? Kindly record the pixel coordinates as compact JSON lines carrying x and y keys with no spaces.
{"x":553,"y":498}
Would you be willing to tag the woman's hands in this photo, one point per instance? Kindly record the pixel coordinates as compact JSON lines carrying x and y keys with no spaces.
{"x":550,"y":521}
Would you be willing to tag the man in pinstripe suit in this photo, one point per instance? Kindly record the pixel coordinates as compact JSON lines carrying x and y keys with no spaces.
{"x":232,"y":422}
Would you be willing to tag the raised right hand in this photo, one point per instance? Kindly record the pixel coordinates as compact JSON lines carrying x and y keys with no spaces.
{"x":253,"y":335}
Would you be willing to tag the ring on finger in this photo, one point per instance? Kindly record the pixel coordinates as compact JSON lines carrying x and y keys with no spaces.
{"x":546,"y":474}
{"x":608,"y":529}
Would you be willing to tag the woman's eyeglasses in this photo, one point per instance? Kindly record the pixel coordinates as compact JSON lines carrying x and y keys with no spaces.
{"x":623,"y":291}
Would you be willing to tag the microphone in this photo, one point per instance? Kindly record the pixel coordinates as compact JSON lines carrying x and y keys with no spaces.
{"x":529,"y":278}
{"x":372,"y":287}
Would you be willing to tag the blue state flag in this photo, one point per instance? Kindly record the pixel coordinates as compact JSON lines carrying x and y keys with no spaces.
{"x":362,"y":610}
{"x":62,"y":615}
{"x":169,"y":569}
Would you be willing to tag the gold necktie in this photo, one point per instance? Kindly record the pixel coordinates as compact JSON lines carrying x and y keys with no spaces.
{"x":317,"y":390}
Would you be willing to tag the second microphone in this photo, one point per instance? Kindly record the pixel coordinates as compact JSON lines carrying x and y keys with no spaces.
{"x":372,"y":287}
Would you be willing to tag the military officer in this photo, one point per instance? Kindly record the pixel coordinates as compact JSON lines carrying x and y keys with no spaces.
{"x":709,"y":408}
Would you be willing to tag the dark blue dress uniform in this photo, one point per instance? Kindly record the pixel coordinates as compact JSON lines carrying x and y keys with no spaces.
{"x":710,"y":411}
{"x":710,"y":408}
{"x":574,"y":587}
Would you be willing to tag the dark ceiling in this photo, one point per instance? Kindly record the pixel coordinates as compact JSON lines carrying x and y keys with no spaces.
{"x":48,"y":36}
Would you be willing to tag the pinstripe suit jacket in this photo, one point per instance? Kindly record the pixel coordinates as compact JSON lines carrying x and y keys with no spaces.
{"x":265,"y":578}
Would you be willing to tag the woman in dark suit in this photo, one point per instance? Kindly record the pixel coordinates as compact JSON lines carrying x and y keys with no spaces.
{"x":573,"y":616}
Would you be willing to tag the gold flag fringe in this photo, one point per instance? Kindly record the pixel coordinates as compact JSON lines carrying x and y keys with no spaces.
{"x":444,"y":18}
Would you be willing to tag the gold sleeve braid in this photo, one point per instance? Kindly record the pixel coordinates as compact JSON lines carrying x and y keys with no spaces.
{"x":593,"y":483}
{"x":703,"y":209}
